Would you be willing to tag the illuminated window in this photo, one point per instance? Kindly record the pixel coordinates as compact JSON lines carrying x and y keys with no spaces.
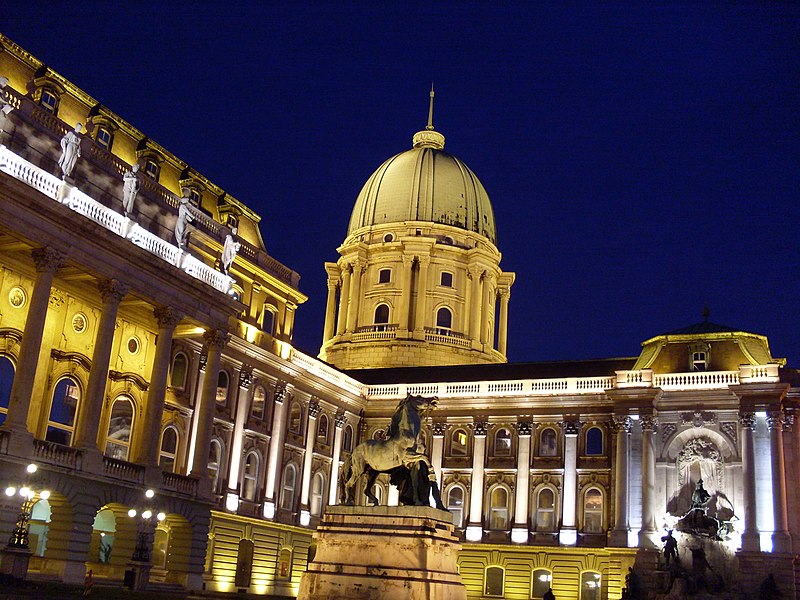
{"x":498,"y":508}
{"x":455,"y":504}
{"x":296,"y":418}
{"x":49,"y":102}
{"x":6,"y":379}
{"x":458,"y":443}
{"x":322,"y":430}
{"x":105,"y":138}
{"x":493,"y":581}
{"x":347,"y":439}
{"x":39,"y":527}
{"x":232,"y":222}
{"x":444,"y":321}
{"x":214,"y":458}
{"x":384,"y":276}
{"x":502,"y":442}
{"x":250,"y":477}
{"x":548,"y":443}
{"x":222,"y":387}
{"x":545,"y":510}
{"x":593,"y":511}
{"x":287,"y":490}
{"x":591,"y":586}
{"x":285,"y":564}
{"x":699,"y":361}
{"x":119,"y":428}
{"x":169,"y":449}
{"x":259,"y":400}
{"x":594,"y":441}
{"x":63,"y":409}
{"x":447,"y":279}
{"x":317,"y":494}
{"x":151,"y":169}
{"x":541,"y":581}
{"x":180,"y":366}
{"x":104,"y":531}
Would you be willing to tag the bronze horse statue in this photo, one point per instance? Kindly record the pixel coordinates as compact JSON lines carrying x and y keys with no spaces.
{"x":410,"y":470}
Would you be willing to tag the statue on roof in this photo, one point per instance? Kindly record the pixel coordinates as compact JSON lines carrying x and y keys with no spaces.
{"x":5,"y":103}
{"x":130,"y":188}
{"x":229,"y":250}
{"x":70,"y":150}
{"x":187,"y":212}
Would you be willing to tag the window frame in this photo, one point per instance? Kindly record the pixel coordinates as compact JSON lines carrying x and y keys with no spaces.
{"x":319,"y":499}
{"x":442,"y":278}
{"x":465,"y":444}
{"x":600,"y":512}
{"x":540,"y":453}
{"x":250,"y":477}
{"x":162,"y":454}
{"x":172,"y":382}
{"x":384,"y":276}
{"x":495,"y":438}
{"x":117,"y":443}
{"x":460,"y":509}
{"x":47,"y":107}
{"x":486,"y":581}
{"x":153,"y":173}
{"x":55,"y":425}
{"x":107,"y":144}
{"x":538,"y":509}
{"x":288,"y":492}
{"x":493,"y":510}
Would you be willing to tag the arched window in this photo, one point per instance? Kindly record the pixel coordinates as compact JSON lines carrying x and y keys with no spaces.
{"x":444,"y":320}
{"x":548,"y":442}
{"x":347,"y":439}
{"x":384,"y":276}
{"x":39,"y":527}
{"x":545,"y":510}
{"x":458,"y":443}
{"x":455,"y":504}
{"x":493,"y":581}
{"x":169,"y":449}
{"x":317,"y":493}
{"x":6,"y":379}
{"x":287,"y":490}
{"x":119,"y":428}
{"x":285,"y":564}
{"x":244,"y":563}
{"x":250,"y":476}
{"x":214,"y":458}
{"x":322,"y":430}
{"x":381,"y":316}
{"x":180,"y":365}
{"x":104,"y":532}
{"x":259,"y":399}
{"x":498,"y":508}
{"x":151,"y":169}
{"x":161,"y":545}
{"x":268,"y":320}
{"x":541,"y":581}
{"x":594,"y":441}
{"x":296,"y":418}
{"x":48,"y":100}
{"x":591,"y":586}
{"x":66,"y":396}
{"x":502,"y":442}
{"x":222,"y":387}
{"x":593,"y":511}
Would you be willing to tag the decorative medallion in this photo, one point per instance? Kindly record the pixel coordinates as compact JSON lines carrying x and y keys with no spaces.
{"x":17,"y":297}
{"x":134,"y":345}
{"x":79,"y":323}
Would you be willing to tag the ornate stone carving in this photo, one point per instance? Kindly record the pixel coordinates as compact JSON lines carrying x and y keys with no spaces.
{"x":280,"y":393}
{"x":698,"y":418}
{"x":667,"y":431}
{"x":523,"y":428}
{"x":438,"y":429}
{"x":313,"y":408}
{"x":216,"y":338}
{"x":203,"y":360}
{"x":621,"y":423}
{"x":47,"y":259}
{"x":480,"y":428}
{"x":246,"y":377}
{"x":339,"y":420}
{"x":788,"y":423}
{"x":699,"y":449}
{"x":57,"y":298}
{"x":167,"y":317}
{"x":112,"y":291}
{"x":776,"y":419}
{"x":747,"y":420}
{"x":729,"y":428}
{"x":649,"y":422}
{"x":572,"y":427}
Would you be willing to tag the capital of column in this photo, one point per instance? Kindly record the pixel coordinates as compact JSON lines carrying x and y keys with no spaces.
{"x":747,"y":420}
{"x":439,"y":429}
{"x":356,"y":266}
{"x":216,"y":339}
{"x":621,"y":423}
{"x":112,"y":291}
{"x":313,"y":409}
{"x":523,"y":428}
{"x":407,"y":259}
{"x":649,"y":422}
{"x":339,"y":420}
{"x":280,"y":393}
{"x":475,"y":272}
{"x":788,"y":423}
{"x":571,"y":427}
{"x":504,"y":293}
{"x":776,"y":420}
{"x":489,"y":276}
{"x":333,"y":284}
{"x":48,"y":259}
{"x":167,"y":317}
{"x":480,"y":428}
{"x":246,"y":377}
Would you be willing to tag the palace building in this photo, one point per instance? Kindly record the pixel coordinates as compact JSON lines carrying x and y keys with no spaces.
{"x":184,"y":443}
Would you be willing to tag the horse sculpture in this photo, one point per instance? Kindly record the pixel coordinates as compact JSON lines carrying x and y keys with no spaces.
{"x":397,"y":455}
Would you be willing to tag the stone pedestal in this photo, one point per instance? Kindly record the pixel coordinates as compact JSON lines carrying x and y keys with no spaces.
{"x":14,"y":562}
{"x":384,"y":553}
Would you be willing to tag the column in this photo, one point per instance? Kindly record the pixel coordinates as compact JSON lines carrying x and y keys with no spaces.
{"x":215,"y":340}
{"x":147,"y":450}
{"x":47,"y":261}
{"x":487,"y":332}
{"x":751,"y":539}
{"x":502,"y":336}
{"x":330,"y":309}
{"x":405,"y":296}
{"x":333,"y":493}
{"x":239,"y":422}
{"x":568,"y":535}
{"x":422,"y":289}
{"x":474,"y":531}
{"x":437,"y":450}
{"x":519,"y":533}
{"x":355,"y":296}
{"x":91,"y":406}
{"x":276,"y":441}
{"x":344,"y":299}
{"x":781,"y":538}
{"x":649,"y":531}
{"x":311,"y":436}
{"x":475,"y":274}
{"x":622,"y":425}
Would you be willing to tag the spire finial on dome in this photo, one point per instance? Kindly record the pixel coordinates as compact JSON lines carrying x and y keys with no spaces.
{"x":428,"y":138}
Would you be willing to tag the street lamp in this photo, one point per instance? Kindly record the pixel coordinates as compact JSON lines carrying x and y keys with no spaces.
{"x":137,"y":576}
{"x":16,"y":554}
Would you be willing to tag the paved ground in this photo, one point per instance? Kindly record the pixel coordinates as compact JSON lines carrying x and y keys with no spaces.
{"x":54,"y":591}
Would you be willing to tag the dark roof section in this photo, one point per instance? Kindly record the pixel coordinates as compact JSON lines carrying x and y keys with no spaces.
{"x":704,"y":327}
{"x":493,"y":372}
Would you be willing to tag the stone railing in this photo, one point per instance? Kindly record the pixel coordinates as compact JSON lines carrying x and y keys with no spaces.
{"x":375,"y":332}
{"x":696,"y":380}
{"x":81,"y":203}
{"x":759,"y":373}
{"x":444,"y":336}
{"x":56,"y":454}
{"x":182,"y":484}
{"x":320,"y":369}
{"x":120,"y":469}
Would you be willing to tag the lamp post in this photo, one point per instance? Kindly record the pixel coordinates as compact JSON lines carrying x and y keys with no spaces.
{"x":17,"y":553}
{"x":138,"y":575}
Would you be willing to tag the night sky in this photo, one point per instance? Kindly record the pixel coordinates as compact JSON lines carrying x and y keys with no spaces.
{"x":643,"y":160}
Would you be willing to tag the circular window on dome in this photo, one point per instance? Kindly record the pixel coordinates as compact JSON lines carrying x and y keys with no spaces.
{"x":389,"y":237}
{"x":79,"y":323}
{"x":133,"y":345}
{"x":17,"y":297}
{"x":448,"y":240}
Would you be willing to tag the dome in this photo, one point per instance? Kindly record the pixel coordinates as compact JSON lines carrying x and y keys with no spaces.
{"x":425,"y":184}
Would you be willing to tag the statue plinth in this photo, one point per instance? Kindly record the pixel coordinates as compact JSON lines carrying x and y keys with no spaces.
{"x":386,"y":553}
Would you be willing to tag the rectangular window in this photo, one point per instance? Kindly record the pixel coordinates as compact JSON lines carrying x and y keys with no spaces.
{"x":49,"y":102}
{"x":104,"y":138}
{"x":447,"y":279}
{"x":385,"y":276}
{"x":151,"y":170}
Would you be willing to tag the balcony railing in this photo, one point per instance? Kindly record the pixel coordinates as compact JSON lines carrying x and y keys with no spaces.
{"x":56,"y":454}
{"x":182,"y":484}
{"x":381,"y":331}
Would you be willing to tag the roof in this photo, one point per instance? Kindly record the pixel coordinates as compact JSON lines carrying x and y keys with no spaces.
{"x":704,"y":327}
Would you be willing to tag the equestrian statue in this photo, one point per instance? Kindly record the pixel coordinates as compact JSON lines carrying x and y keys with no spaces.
{"x":399,"y":455}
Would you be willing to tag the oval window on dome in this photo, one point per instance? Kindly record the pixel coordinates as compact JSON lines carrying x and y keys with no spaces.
{"x":389,"y":237}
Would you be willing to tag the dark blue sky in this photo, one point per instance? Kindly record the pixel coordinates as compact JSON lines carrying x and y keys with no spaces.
{"x":642,"y":160}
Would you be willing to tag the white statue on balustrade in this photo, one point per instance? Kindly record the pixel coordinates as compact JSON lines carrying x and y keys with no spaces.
{"x":130,"y":188}
{"x":70,"y":150}
{"x":5,"y":104}
{"x":187,"y":212}
{"x":229,"y":251}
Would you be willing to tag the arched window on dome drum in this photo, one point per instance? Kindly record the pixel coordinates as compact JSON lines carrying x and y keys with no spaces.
{"x":381,"y":317}
{"x":444,"y":321}
{"x":63,"y":409}
{"x":119,"y":429}
{"x":268,"y":320}
{"x":6,"y":379}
